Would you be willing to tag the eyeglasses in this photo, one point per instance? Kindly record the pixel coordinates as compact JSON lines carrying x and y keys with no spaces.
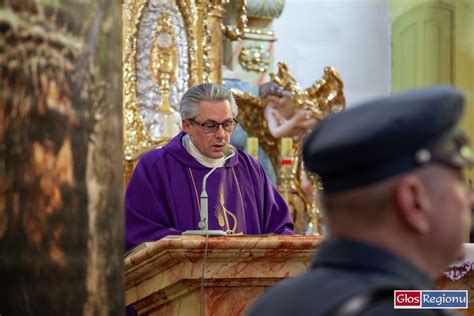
{"x":210,"y":127}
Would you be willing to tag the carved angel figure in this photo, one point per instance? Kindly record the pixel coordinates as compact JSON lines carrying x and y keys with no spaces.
{"x":284,"y":109}
{"x":283,"y":118}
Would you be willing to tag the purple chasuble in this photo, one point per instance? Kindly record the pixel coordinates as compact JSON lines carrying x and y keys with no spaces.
{"x":162,"y":197}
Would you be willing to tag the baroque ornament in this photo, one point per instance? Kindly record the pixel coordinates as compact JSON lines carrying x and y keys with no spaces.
{"x":323,"y":97}
{"x":255,"y":58}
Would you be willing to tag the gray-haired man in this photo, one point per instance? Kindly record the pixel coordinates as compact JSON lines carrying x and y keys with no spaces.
{"x":162,"y":197}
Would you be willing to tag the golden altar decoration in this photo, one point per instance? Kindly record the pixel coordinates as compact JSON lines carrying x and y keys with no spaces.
{"x":168,"y":46}
{"x":164,"y":59}
{"x":323,"y":97}
{"x":190,"y":36}
{"x":249,"y":52}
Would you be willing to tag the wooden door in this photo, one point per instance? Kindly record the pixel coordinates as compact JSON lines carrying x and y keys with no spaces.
{"x":422,"y":46}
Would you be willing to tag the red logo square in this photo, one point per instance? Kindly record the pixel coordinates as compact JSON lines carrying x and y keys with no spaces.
{"x":407,"y":298}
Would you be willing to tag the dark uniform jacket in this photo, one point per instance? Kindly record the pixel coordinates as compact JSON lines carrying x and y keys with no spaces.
{"x":347,"y":278}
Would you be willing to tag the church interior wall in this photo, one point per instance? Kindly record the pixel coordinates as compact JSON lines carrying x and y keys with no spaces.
{"x":352,"y":36}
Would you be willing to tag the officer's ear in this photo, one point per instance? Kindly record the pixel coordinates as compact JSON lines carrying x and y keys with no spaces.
{"x":413,"y":203}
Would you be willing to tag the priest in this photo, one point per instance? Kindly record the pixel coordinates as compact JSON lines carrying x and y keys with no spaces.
{"x":163,"y":195}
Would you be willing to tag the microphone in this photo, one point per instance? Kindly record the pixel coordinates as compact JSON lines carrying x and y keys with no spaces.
{"x":229,"y":152}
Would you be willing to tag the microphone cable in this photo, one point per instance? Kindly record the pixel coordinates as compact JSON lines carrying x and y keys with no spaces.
{"x":203,"y":271}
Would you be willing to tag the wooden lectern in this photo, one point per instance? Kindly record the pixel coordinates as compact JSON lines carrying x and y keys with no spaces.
{"x":165,"y":278}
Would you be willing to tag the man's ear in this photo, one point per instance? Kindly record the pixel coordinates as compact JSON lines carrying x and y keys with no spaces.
{"x":186,"y":126}
{"x":414,"y":203}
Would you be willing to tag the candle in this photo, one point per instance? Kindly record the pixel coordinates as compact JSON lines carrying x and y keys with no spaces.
{"x":252,"y":146}
{"x":286,"y":147}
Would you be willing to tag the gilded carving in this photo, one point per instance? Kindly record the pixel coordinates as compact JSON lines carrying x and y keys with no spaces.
{"x":193,"y":28}
{"x":267,"y":10}
{"x":142,"y":84}
{"x":255,"y":58}
{"x":235,"y":33}
{"x":136,"y":137}
{"x":212,"y":21}
{"x":189,"y":12}
{"x":207,"y":65}
{"x":321,"y":98}
{"x":260,"y":34}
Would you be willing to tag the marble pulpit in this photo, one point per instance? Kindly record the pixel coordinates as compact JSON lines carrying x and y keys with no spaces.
{"x":176,"y":276}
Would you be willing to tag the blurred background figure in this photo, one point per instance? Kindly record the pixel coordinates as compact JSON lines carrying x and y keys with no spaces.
{"x":396,"y":204}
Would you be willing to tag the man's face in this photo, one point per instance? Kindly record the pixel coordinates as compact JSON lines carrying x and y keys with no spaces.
{"x":451,"y":200}
{"x":211,"y":145}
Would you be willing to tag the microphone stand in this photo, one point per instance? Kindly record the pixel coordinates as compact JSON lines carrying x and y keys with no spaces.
{"x":204,"y":210}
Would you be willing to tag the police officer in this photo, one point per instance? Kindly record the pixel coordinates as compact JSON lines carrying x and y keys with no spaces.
{"x":396,"y":205}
